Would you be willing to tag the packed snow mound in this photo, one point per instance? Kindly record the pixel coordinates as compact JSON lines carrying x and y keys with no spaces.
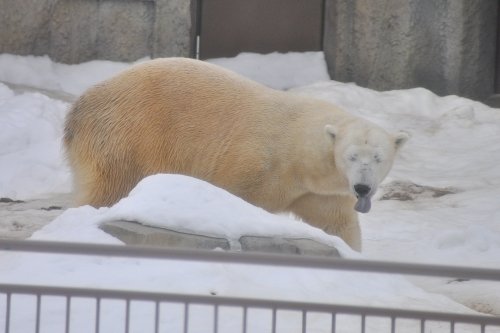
{"x":276,"y":70}
{"x":279,"y":70}
{"x":187,"y":204}
{"x":31,"y":160}
{"x":43,"y":73}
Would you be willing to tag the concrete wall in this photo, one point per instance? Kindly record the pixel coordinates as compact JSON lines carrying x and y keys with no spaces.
{"x":447,"y":46}
{"x":80,"y":30}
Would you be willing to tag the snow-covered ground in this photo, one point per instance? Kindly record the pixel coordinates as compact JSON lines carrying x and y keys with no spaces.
{"x":440,"y":204}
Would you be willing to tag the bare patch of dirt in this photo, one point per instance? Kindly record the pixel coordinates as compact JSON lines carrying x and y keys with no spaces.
{"x":406,"y":191}
{"x":20,"y":219}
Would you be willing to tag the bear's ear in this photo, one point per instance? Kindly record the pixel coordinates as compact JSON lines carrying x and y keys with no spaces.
{"x":400,"y":139}
{"x":331,"y":130}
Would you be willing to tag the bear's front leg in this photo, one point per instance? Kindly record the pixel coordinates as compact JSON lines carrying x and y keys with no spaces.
{"x":334,"y":214}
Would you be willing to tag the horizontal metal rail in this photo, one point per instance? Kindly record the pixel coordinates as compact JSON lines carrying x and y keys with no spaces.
{"x":295,"y":261}
{"x":128,"y":295}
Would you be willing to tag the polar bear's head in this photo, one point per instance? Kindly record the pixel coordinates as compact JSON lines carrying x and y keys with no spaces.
{"x":364,"y":154}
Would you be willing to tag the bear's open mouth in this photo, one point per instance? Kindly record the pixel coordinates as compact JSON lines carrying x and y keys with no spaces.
{"x":363,"y":204}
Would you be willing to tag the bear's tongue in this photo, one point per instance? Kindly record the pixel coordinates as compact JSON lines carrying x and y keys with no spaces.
{"x":363,"y":205}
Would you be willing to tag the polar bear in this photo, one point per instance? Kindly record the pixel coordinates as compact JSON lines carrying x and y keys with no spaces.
{"x":277,"y":150}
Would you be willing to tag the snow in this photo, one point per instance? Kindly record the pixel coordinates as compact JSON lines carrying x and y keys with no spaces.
{"x":271,"y":70}
{"x":43,"y":73}
{"x":447,"y":173}
{"x":30,"y":152}
{"x":275,"y":71}
{"x":176,"y":201}
{"x":214,"y":214}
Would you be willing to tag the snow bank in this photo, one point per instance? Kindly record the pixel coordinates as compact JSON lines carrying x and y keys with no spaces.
{"x":31,"y":159}
{"x":43,"y":73}
{"x":278,"y":70}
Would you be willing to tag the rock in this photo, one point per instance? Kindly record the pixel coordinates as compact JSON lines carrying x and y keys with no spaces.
{"x":134,"y":233}
{"x":20,"y":219}
{"x":406,"y":191}
{"x":9,"y":200}
{"x":302,"y":246}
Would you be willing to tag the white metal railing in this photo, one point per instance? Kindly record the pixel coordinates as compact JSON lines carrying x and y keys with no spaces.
{"x":484,"y":323}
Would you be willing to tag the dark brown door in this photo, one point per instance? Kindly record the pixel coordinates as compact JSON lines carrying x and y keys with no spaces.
{"x":228,"y":27}
{"x":497,"y":64}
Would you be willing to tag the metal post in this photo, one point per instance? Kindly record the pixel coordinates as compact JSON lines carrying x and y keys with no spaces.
{"x":273,"y":320}
{"x":127,"y":315}
{"x":245,"y":318}
{"x":334,"y":322}
{"x":97,"y":314}
{"x":304,"y":321}
{"x":7,"y":313}
{"x":157,"y":317}
{"x":68,"y":313}
{"x":216,"y":319}
{"x":38,"y":309}
{"x":186,"y":317}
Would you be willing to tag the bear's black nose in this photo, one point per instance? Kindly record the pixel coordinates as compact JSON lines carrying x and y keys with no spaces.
{"x":362,"y":190}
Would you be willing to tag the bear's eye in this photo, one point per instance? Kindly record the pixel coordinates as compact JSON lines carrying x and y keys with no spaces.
{"x":353,"y":157}
{"x":377,"y":158}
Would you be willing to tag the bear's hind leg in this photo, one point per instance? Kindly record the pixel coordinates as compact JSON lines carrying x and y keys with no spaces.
{"x":102,"y":185}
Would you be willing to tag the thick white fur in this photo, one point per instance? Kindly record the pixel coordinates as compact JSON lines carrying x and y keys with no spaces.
{"x":277,"y":150}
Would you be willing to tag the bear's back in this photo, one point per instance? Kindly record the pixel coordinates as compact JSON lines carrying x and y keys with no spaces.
{"x":173,"y":116}
{"x":175,"y":87}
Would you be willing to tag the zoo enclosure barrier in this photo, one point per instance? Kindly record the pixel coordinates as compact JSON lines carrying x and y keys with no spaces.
{"x":421,"y":319}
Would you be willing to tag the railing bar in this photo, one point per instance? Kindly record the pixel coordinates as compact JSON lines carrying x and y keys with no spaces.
{"x":452,"y":327}
{"x":422,"y":325}
{"x":483,"y":328}
{"x":186,"y":317}
{"x":216,"y":318}
{"x":244,"y":321}
{"x":363,"y":323}
{"x":7,"y":313}
{"x":68,"y":312}
{"x":304,"y":321}
{"x":38,"y":309}
{"x":251,"y":303}
{"x":127,"y":316}
{"x":157,"y":317}
{"x":97,"y":314}
{"x":393,"y":324}
{"x":252,"y":258}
